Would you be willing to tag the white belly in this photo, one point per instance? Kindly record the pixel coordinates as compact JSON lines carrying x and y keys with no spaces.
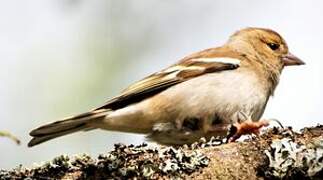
{"x":225,"y":94}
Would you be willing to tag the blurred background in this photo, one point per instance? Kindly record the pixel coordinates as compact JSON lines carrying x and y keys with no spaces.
{"x":64,"y":57}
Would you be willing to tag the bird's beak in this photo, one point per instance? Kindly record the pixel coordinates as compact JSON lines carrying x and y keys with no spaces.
{"x":291,"y":60}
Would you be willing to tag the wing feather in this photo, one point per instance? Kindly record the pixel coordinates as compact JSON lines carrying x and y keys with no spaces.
{"x":166,"y":78}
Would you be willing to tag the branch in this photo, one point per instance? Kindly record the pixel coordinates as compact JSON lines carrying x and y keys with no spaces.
{"x":278,"y":154}
{"x":10,"y":136}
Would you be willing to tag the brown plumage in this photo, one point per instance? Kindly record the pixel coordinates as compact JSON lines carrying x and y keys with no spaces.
{"x":201,"y":95}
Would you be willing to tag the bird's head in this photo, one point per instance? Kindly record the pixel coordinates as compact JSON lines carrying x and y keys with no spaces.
{"x":265,"y":46}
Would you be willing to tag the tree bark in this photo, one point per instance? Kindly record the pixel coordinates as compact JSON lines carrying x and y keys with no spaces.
{"x":277,"y":154}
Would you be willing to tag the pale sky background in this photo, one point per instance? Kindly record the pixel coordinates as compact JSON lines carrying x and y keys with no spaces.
{"x":63,"y":57}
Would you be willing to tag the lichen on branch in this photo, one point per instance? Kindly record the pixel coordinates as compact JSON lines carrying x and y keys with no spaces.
{"x":277,"y":154}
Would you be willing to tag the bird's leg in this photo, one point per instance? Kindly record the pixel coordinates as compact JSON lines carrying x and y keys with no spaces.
{"x":246,"y":127}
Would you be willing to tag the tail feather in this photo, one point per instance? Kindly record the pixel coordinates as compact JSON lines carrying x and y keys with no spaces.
{"x":40,"y":139}
{"x":65,"y":126}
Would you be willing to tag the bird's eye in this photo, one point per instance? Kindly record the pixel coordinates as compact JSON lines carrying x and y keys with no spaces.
{"x":273,"y":46}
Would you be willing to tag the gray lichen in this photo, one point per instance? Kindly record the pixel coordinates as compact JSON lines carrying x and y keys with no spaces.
{"x":55,"y":168}
{"x":179,"y":161}
{"x":287,"y":157}
{"x":123,"y":162}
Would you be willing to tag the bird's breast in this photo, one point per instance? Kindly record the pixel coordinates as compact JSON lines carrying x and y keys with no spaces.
{"x":223,"y":94}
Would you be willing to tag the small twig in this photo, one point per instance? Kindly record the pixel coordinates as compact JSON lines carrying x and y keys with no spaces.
{"x":10,"y":136}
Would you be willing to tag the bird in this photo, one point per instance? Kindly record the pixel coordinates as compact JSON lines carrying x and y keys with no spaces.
{"x":201,"y":95}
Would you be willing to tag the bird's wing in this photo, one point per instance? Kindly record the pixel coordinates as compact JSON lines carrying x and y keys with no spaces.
{"x":190,"y":67}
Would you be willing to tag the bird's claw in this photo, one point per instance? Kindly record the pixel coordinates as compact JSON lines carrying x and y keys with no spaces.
{"x":246,"y":127}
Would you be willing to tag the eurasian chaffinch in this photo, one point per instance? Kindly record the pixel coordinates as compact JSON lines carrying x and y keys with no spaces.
{"x":200,"y":96}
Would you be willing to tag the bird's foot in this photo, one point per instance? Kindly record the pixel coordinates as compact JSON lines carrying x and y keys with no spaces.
{"x":246,"y":127}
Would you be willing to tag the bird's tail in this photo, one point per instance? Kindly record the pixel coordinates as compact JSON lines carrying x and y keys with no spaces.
{"x":66,"y":126}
